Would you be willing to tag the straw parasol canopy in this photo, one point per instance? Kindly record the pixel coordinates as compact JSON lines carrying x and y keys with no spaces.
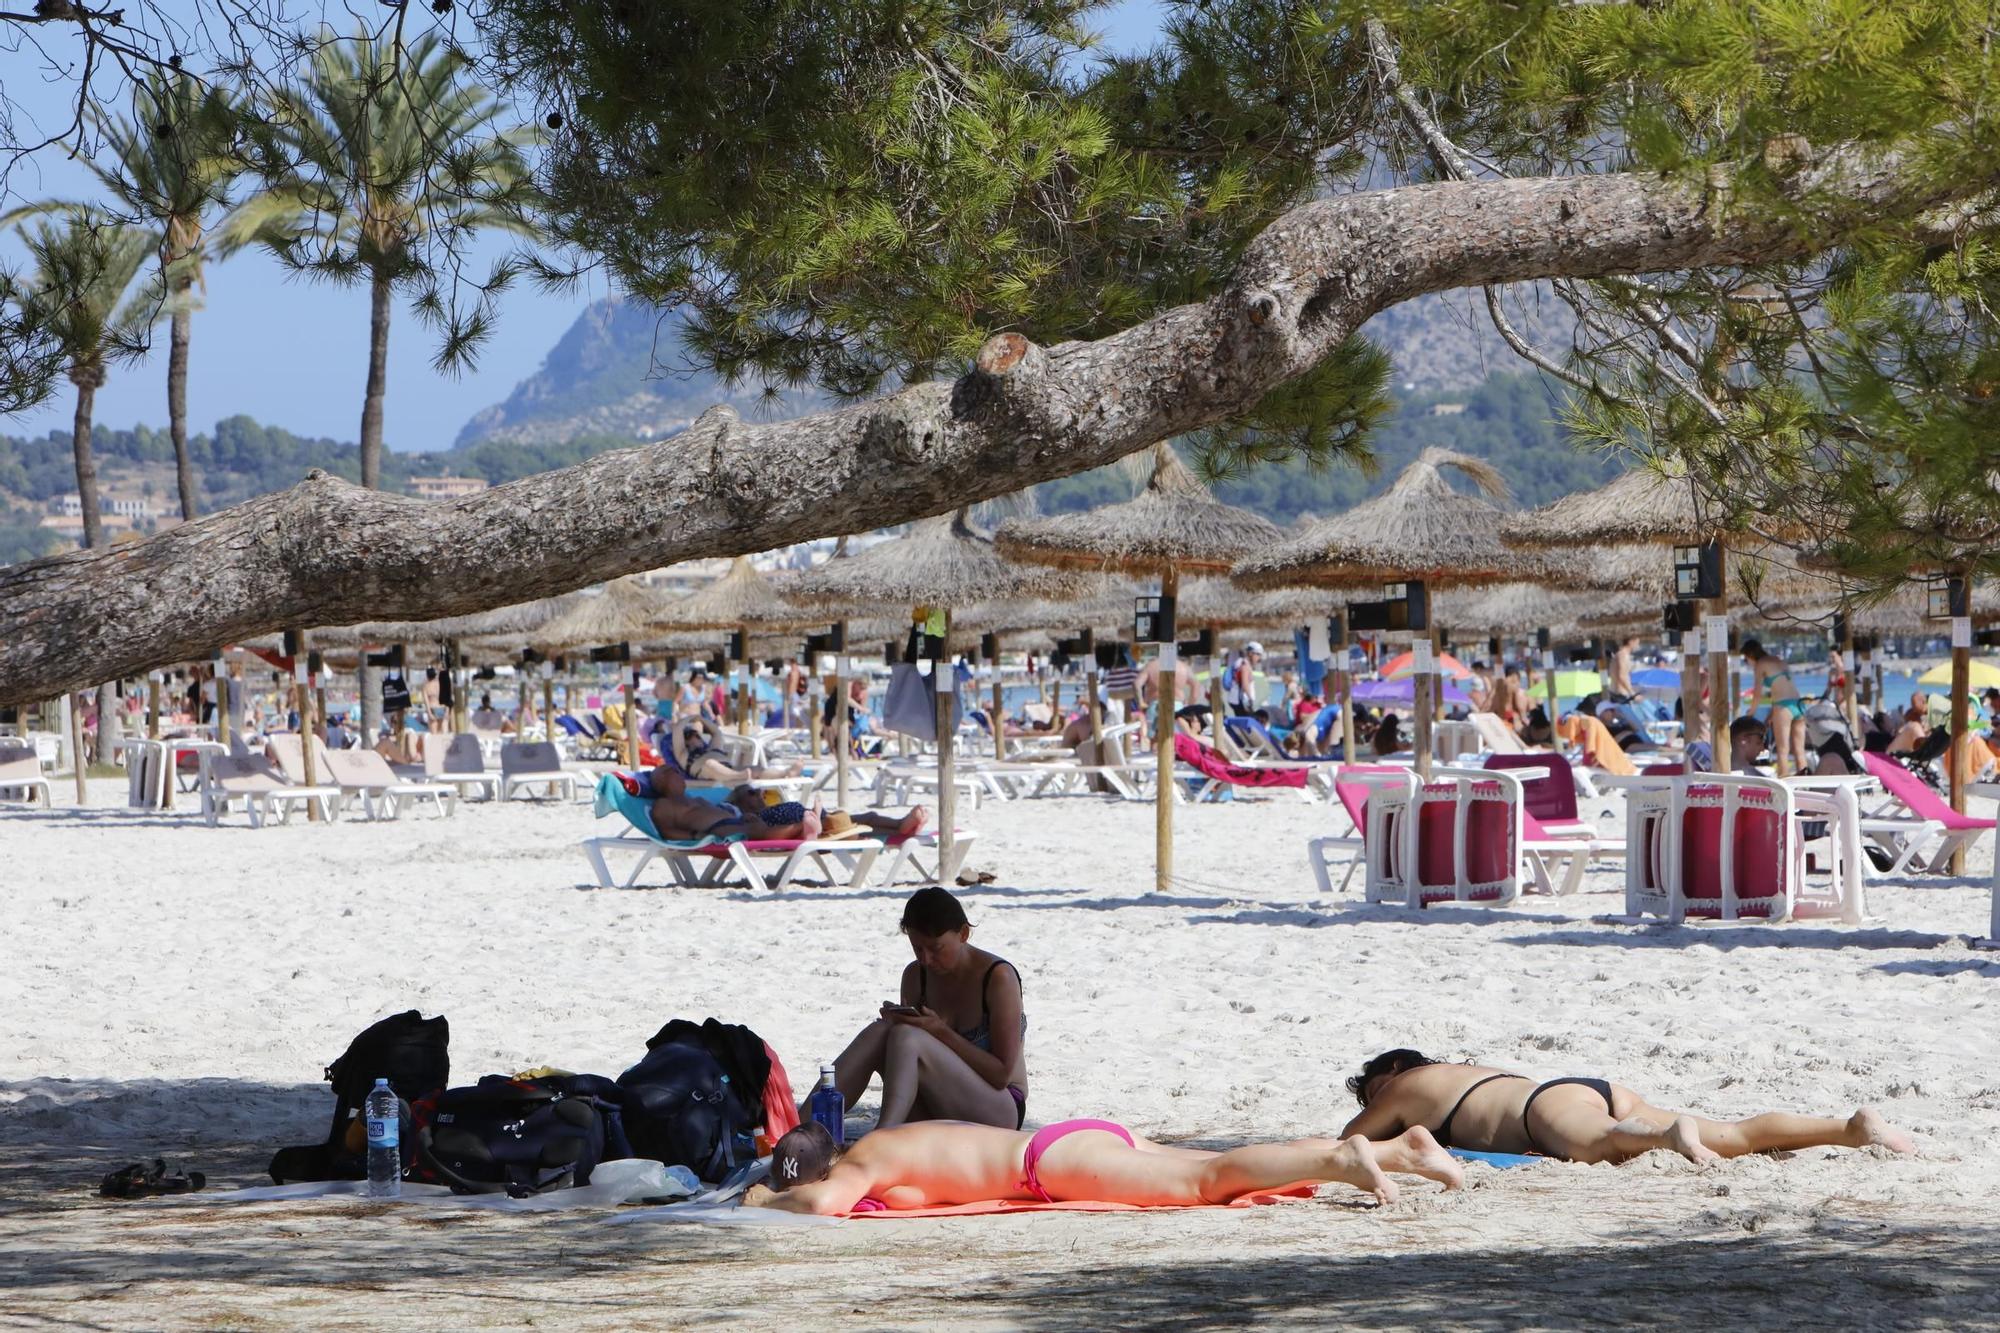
{"x":942,"y":561}
{"x":740,"y":599}
{"x":1218,"y":604}
{"x":1520,"y":608}
{"x":1174,"y":522}
{"x":626,"y":611}
{"x":522,"y":618}
{"x":1420,"y":528}
{"x":1645,"y":506}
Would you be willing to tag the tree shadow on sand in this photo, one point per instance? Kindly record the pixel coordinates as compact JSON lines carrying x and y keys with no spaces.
{"x":1877,"y":1277}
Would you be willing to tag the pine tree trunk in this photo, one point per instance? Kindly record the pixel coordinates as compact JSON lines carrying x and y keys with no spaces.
{"x":177,"y":376}
{"x":86,"y":462}
{"x":378,"y":383}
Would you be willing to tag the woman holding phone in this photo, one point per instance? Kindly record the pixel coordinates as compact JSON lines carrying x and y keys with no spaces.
{"x":953,"y":1046}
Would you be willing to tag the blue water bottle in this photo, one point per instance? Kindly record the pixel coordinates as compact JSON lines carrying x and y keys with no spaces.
{"x":828,"y":1107}
{"x":384,"y":1112}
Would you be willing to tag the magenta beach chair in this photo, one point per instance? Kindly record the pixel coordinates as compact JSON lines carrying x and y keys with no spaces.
{"x":1933,"y":829}
{"x":1351,"y":787}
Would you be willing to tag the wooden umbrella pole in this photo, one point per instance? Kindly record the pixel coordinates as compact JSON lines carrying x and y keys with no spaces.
{"x":153,"y":706}
{"x":1216,"y":715}
{"x":1421,"y":692}
{"x":1851,"y":669}
{"x":1720,"y":687}
{"x":1164,"y":693}
{"x":812,"y":710}
{"x":1095,"y":707}
{"x":1961,"y":700}
{"x":999,"y":707}
{"x":1344,"y":680}
{"x":549,"y":706}
{"x":631,"y":690}
{"x":1690,"y":692}
{"x":78,"y":764}
{"x":302,"y":701}
{"x":743,"y":688}
{"x":947,"y":762}
{"x":1549,"y":690}
{"x":840,"y":738}
{"x":224,"y":723}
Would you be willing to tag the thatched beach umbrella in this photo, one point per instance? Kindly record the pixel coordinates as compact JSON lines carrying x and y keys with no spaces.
{"x":1107,"y":609}
{"x":1420,"y":528}
{"x":1651,"y":507}
{"x":1172,"y":527}
{"x":625,"y":612}
{"x":740,"y":601}
{"x":941,"y":563}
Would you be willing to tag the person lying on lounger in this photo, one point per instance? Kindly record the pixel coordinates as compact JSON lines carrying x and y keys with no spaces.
{"x":1576,"y":1119}
{"x":680,"y":817}
{"x":943,"y":1162}
{"x":954,"y":1044}
{"x":701,"y":758}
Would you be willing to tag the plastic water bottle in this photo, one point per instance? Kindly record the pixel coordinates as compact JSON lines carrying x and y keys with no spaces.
{"x":384,"y":1111}
{"x":828,"y":1107}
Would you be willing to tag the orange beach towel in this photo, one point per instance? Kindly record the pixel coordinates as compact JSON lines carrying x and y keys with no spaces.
{"x":1599,"y":749}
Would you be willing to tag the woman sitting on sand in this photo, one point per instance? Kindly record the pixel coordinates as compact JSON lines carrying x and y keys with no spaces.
{"x":944,"y":1163}
{"x":1575,"y":1119}
{"x":954,"y":1045}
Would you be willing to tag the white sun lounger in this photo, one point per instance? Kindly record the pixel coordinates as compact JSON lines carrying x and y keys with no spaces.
{"x":531,"y":764}
{"x":21,"y":774}
{"x":459,"y":761}
{"x":366,"y":774}
{"x":263,"y":790}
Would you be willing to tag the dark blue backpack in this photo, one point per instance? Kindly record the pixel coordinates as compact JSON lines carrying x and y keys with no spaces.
{"x":522,"y":1136}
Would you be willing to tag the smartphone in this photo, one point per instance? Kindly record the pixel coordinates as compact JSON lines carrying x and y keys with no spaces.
{"x":900,"y":1009}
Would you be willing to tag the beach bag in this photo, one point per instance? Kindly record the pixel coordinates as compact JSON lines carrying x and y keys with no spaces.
{"x":520,"y":1136}
{"x":697,"y":1098}
{"x":395,"y":694}
{"x":909,"y":707}
{"x":413,"y":1053}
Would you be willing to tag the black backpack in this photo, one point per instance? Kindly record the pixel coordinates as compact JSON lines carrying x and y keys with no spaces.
{"x":413,"y":1053}
{"x":522,"y":1136}
{"x":697,"y":1097}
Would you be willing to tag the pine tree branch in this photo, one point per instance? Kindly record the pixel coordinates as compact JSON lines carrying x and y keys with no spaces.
{"x":327,"y":553}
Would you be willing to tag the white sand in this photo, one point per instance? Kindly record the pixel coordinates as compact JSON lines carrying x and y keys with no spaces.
{"x":174,"y":989}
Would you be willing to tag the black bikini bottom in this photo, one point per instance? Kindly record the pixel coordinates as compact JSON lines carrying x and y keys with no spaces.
{"x":1600,"y":1086}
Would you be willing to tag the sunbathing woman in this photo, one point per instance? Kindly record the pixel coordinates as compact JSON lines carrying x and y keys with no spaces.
{"x":949,"y":1162}
{"x":679,"y":817}
{"x":695,"y":750}
{"x":954,"y":1045}
{"x":1576,"y":1119}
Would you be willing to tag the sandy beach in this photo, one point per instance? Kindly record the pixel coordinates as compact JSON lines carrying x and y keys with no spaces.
{"x":175,"y":990}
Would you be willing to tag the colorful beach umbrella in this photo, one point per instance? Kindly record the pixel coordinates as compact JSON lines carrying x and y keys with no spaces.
{"x":1576,"y":684}
{"x":1400,"y":666}
{"x":1656,"y":678}
{"x":1982,"y":675}
{"x":1378,"y":692}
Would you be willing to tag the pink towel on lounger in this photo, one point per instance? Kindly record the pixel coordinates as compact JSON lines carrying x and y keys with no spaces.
{"x":1212,"y":765}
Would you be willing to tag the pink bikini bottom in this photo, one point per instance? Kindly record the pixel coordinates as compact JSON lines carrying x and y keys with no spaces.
{"x":1045,"y":1138}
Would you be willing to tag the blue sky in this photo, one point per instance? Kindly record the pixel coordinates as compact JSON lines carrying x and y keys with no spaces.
{"x":293,"y":353}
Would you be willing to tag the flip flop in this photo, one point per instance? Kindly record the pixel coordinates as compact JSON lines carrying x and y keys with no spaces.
{"x":138,"y":1181}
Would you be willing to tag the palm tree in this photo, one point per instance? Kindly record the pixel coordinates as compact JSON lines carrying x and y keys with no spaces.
{"x":173,"y":162}
{"x":84,"y":268}
{"x":384,"y":147}
{"x":167,"y":167}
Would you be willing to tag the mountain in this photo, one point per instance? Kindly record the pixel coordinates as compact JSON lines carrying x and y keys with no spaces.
{"x":612,"y":373}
